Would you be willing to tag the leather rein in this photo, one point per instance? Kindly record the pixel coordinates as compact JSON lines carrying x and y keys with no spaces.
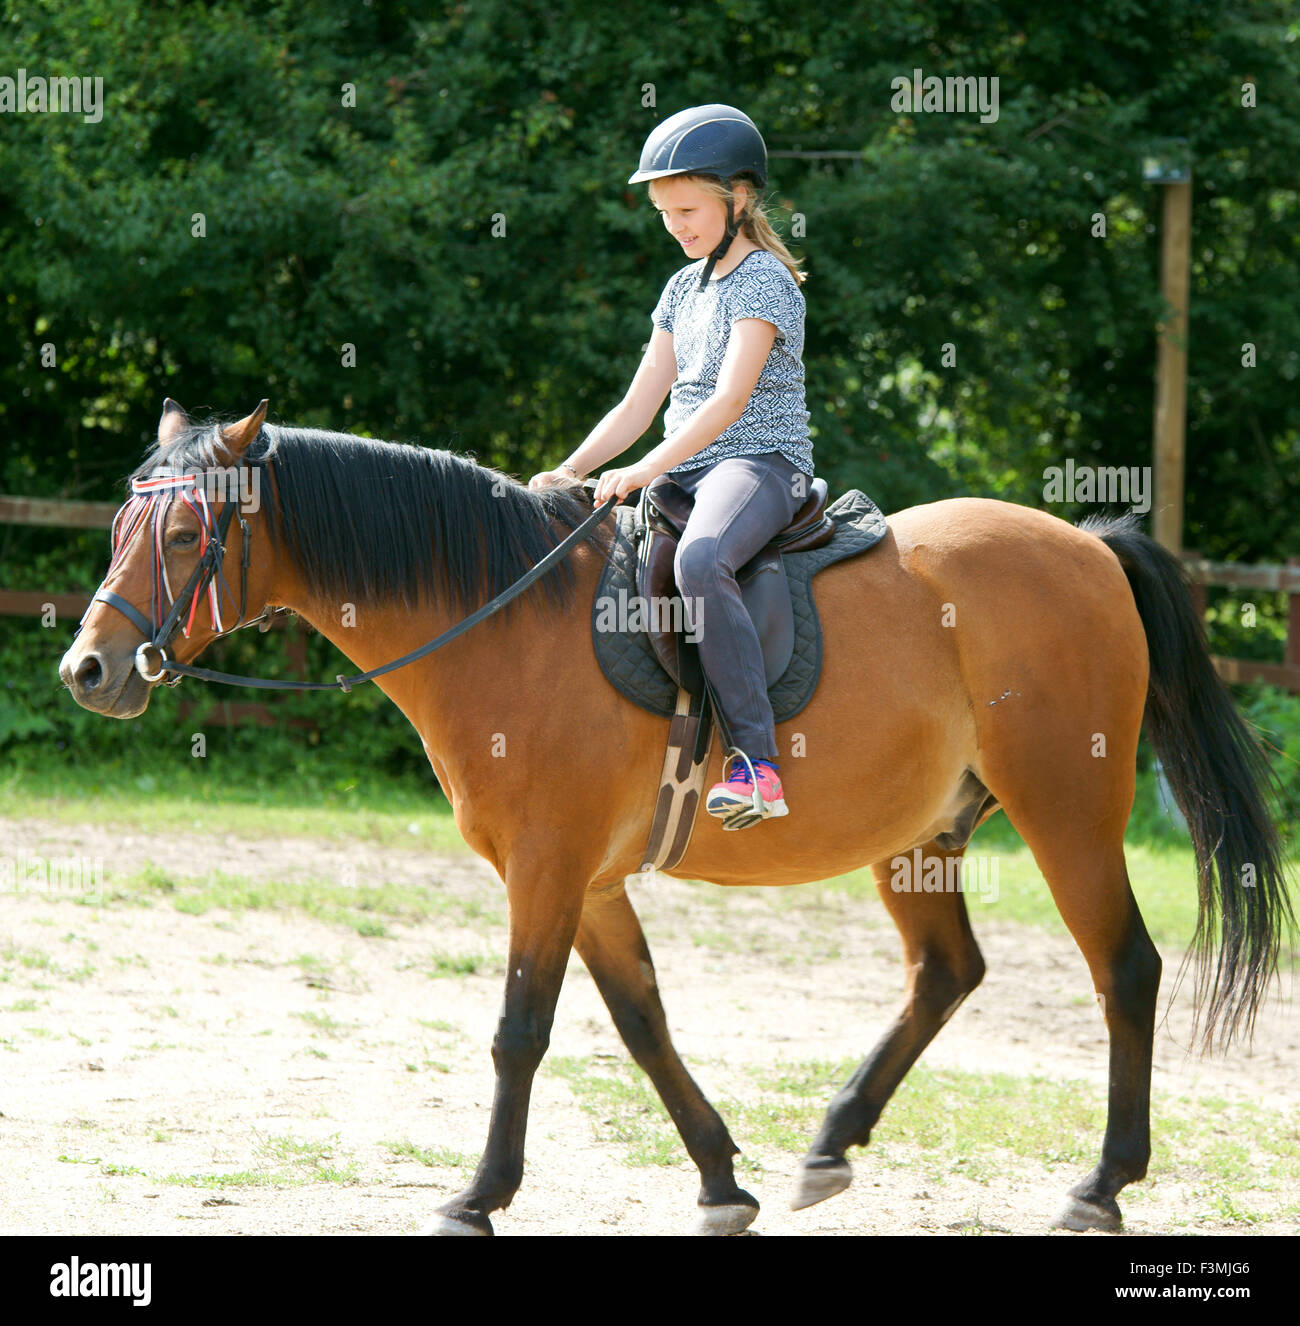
{"x":147,"y":506}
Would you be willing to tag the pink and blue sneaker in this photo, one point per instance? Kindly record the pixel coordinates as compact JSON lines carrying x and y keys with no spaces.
{"x":734,"y":801}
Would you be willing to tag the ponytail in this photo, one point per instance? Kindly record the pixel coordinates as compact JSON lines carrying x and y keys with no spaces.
{"x":758,"y":226}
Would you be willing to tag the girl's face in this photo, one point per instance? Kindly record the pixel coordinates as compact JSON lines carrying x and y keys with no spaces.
{"x":693,"y":217}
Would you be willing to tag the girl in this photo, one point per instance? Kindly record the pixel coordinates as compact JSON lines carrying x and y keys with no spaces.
{"x":727,"y":340}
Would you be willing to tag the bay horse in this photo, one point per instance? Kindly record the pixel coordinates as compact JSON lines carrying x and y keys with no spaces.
{"x":984,"y":655}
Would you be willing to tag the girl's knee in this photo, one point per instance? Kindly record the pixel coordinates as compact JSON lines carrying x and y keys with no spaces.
{"x":697,"y":564}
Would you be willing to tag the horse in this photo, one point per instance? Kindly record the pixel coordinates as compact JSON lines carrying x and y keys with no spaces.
{"x":983,"y":656}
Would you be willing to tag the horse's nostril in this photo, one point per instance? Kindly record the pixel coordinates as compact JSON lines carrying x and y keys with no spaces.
{"x":89,"y":673}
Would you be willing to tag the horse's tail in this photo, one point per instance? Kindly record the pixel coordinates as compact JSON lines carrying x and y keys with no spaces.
{"x":1221,"y":779}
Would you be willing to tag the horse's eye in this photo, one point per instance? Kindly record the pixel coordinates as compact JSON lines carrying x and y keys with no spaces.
{"x":186,"y":540}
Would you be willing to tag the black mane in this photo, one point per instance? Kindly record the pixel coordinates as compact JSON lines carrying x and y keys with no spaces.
{"x":377,"y":523}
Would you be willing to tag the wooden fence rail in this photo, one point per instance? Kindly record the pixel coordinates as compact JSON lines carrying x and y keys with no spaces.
{"x":1283,"y":578}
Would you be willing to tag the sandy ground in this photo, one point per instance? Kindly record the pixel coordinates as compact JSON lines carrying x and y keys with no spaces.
{"x":171,"y":1043}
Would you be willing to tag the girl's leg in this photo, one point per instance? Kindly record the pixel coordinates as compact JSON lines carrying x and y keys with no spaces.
{"x":740,"y":504}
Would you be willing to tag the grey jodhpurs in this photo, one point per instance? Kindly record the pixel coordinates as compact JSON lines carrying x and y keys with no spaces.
{"x":741,"y":503}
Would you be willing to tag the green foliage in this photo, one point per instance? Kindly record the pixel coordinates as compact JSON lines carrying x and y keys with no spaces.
{"x":1275,"y":715}
{"x":1247,"y":624}
{"x":372,"y":225}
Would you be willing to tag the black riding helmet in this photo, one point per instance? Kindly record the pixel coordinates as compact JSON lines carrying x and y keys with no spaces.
{"x":706,"y":140}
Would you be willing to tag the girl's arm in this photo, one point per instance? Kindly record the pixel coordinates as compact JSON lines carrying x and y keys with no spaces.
{"x":748,"y":347}
{"x":625,"y":423}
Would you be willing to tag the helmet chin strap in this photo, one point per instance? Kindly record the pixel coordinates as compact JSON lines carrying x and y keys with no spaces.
{"x":733,"y":225}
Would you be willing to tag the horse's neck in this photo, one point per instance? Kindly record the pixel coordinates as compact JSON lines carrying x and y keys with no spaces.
{"x":461,"y":694}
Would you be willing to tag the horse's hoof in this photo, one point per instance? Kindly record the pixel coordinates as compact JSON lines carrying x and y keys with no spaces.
{"x":445,"y":1224}
{"x":718,"y":1221}
{"x":820,"y":1180}
{"x":1081,"y":1214}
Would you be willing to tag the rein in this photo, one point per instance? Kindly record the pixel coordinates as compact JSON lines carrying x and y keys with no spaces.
{"x":152,"y":497}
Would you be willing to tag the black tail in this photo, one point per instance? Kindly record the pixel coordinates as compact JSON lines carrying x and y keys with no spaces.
{"x":1222,"y":782}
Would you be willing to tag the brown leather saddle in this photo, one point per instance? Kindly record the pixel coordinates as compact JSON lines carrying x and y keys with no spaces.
{"x":662,"y":513}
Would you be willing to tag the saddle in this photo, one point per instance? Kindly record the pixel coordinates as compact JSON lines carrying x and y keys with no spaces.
{"x":662,"y":513}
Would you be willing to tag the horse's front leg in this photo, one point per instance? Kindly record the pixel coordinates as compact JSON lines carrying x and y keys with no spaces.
{"x":545,"y":904}
{"x":610,"y":941}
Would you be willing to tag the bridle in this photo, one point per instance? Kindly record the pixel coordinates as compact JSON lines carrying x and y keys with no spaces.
{"x":147,"y":508}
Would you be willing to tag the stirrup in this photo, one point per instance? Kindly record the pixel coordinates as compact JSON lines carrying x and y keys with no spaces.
{"x":742,"y":818}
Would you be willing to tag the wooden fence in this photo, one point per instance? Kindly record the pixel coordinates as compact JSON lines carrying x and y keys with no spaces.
{"x":99,"y":515}
{"x":1241,"y":575}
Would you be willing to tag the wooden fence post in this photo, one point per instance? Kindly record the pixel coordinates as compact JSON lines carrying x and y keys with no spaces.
{"x":1291,"y":654}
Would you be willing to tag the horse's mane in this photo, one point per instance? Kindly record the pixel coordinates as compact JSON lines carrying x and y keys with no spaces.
{"x":374,"y":523}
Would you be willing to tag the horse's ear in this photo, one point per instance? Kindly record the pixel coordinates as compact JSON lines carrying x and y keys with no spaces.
{"x":174,"y":421}
{"x":238,"y":437}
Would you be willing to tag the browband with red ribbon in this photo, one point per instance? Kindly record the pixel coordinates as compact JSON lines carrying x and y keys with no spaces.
{"x":153,"y":496}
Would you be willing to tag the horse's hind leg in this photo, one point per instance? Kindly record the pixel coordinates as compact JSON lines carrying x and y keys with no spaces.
{"x":1091,"y":888}
{"x":1071,"y":809}
{"x":1126,"y":975}
{"x":611,"y":944}
{"x":943,"y":966}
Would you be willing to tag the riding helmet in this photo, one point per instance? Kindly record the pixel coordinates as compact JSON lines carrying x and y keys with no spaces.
{"x":704,"y":140}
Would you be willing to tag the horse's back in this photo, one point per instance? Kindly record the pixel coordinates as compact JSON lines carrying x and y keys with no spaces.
{"x":1030,"y":583}
{"x":975,"y":630}
{"x":1051,"y":649}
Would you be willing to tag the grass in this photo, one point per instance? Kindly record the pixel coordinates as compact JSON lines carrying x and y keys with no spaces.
{"x":325,"y":1024}
{"x":365,"y":909}
{"x":439,"y":1024}
{"x":435,"y":1157}
{"x":393,"y":811}
{"x":16,"y":959}
{"x":624,"y":1108}
{"x":281,"y":1162}
{"x":459,"y":964}
{"x":1162,"y":876}
{"x":1161,"y":869}
{"x":982,"y":1126}
{"x":372,"y":808}
{"x":1161,"y":866}
{"x":233,"y":1179}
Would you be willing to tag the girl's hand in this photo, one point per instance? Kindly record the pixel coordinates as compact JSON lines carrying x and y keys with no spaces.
{"x":548,"y":478}
{"x":618,"y":483}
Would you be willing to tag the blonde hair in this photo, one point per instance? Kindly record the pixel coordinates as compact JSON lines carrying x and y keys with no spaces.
{"x":754,"y":220}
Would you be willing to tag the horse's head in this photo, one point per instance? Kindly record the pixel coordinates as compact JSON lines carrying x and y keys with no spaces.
{"x":180,"y":573}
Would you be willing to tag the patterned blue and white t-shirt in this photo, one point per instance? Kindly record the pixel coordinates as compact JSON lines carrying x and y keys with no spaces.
{"x":774,"y":418}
